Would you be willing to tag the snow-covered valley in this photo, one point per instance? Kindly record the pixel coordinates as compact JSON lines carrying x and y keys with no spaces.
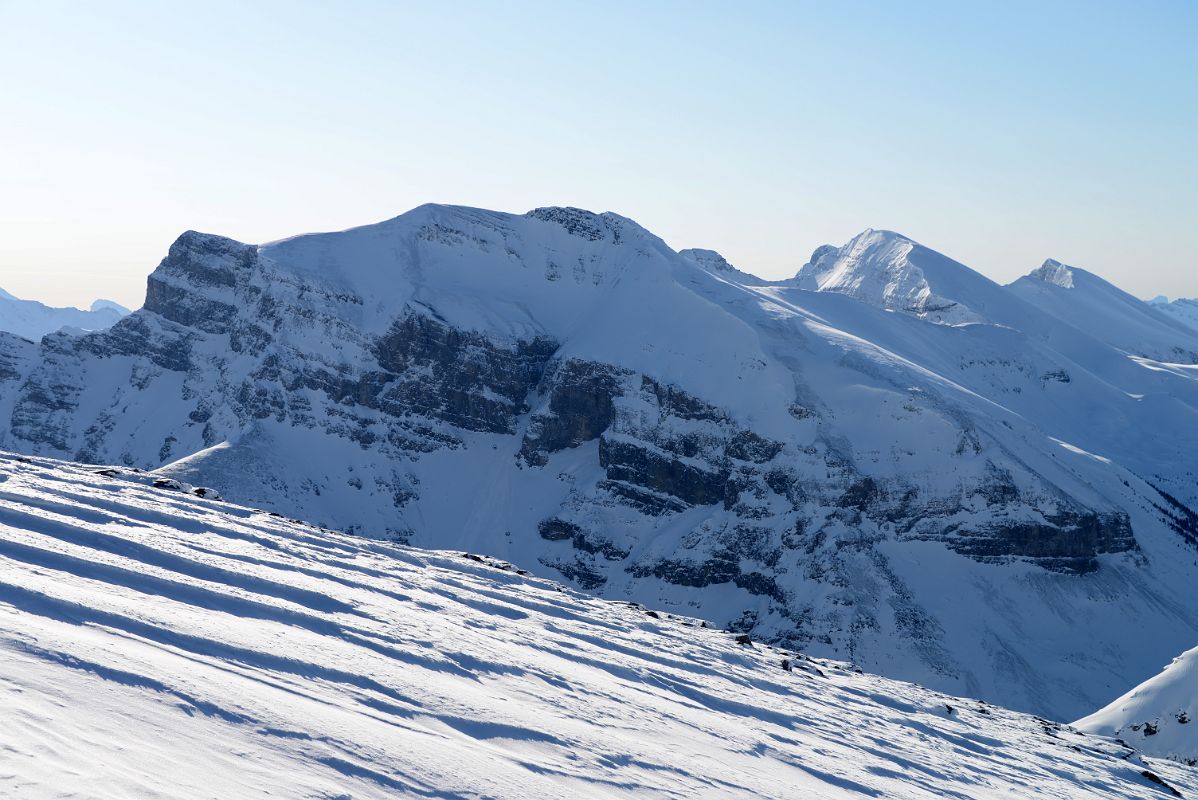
{"x":158,"y":644}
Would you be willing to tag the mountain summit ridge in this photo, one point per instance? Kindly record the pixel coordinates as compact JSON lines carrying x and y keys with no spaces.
{"x":1054,"y":272}
{"x":888,"y":269}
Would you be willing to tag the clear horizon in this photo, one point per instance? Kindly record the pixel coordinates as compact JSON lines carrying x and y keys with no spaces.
{"x":999,"y":136}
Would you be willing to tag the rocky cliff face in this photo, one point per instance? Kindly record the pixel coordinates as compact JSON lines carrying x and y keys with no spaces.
{"x":562,"y":390}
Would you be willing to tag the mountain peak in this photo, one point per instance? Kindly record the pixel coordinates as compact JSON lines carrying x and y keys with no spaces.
{"x":878,"y":267}
{"x":647,"y":427}
{"x":707,"y":258}
{"x":870,"y":249}
{"x":1055,"y":273}
{"x":879,"y":235}
{"x":108,"y":305}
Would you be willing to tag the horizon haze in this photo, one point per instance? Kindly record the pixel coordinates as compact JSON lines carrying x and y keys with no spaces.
{"x":997,"y":136}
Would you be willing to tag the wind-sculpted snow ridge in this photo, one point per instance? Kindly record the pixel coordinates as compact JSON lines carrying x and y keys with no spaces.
{"x":1160,"y":716}
{"x":154,"y":643}
{"x":30,"y":319}
{"x":1002,"y":506}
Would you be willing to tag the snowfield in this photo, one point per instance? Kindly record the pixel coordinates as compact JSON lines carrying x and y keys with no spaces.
{"x":157,"y":644}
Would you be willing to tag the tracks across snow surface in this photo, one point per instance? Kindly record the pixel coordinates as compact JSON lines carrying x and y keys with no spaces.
{"x":155,"y":644}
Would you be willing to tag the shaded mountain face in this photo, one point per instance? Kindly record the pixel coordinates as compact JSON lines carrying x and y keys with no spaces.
{"x":30,"y":319}
{"x":999,"y":508}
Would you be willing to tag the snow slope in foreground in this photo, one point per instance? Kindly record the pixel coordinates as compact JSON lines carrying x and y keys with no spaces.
{"x":157,"y":644}
{"x":1160,"y":716}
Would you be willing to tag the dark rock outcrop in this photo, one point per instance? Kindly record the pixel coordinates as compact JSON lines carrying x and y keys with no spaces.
{"x":580,"y":407}
{"x":463,"y":378}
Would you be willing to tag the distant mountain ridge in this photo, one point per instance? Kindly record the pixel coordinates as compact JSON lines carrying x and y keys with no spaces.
{"x":889,"y":458}
{"x":30,"y":319}
{"x":1183,"y":310}
{"x":1108,"y":313}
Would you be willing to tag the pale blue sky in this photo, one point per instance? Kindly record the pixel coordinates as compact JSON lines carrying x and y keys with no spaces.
{"x":999,"y":133}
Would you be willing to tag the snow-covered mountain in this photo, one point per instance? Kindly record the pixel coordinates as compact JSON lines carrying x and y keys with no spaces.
{"x":30,"y":319}
{"x":1184,"y":310}
{"x":888,"y":270}
{"x":158,"y":644}
{"x":999,"y":506}
{"x":1158,"y":716}
{"x":1108,"y":313}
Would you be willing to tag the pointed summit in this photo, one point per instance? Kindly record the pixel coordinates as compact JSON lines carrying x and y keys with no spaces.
{"x":1107,"y":313}
{"x":1054,"y":272}
{"x":891,"y":271}
{"x":829,"y":265}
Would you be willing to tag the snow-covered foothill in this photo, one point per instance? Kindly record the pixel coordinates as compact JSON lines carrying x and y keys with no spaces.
{"x":1160,"y":716}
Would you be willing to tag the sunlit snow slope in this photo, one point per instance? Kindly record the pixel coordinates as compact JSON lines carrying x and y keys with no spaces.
{"x":154,"y":644}
{"x":1159,"y":715}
